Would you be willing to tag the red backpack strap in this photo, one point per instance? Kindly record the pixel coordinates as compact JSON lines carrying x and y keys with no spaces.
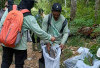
{"x":24,"y":10}
{"x":14,"y":7}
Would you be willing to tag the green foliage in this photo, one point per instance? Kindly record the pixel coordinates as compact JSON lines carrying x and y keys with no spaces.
{"x":82,"y":22}
{"x":67,"y":53}
{"x":85,"y":12}
{"x":78,"y":22}
{"x":88,"y":60}
{"x":17,"y":2}
{"x":73,"y":30}
{"x":94,"y":49}
{"x":98,"y":19}
{"x":62,"y":66}
{"x":2,"y":2}
{"x":47,"y":4}
{"x":98,"y":39}
{"x":34,"y":11}
{"x":44,"y":4}
{"x":76,"y":41}
{"x":97,"y":29}
{"x":66,"y":12}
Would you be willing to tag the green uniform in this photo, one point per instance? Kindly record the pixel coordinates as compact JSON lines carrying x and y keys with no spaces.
{"x":29,"y":23}
{"x":54,"y":29}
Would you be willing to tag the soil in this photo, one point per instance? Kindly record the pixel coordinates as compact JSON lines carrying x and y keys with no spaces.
{"x":32,"y":58}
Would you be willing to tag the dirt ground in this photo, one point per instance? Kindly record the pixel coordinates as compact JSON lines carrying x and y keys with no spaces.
{"x":33,"y":56}
{"x":32,"y":59}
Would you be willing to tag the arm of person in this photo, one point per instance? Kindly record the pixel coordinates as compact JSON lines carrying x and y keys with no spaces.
{"x":3,"y":18}
{"x":32,"y":24}
{"x":44,"y":26}
{"x":65,"y":36}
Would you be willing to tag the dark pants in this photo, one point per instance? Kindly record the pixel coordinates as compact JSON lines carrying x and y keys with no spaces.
{"x":7,"y":58}
{"x":33,"y":39}
{"x":38,"y":40}
{"x":42,"y":61}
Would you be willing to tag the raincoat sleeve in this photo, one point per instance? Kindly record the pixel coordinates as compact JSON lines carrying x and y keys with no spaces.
{"x":65,"y":34}
{"x":33,"y":26}
{"x":45,"y":26}
{"x":3,"y":18}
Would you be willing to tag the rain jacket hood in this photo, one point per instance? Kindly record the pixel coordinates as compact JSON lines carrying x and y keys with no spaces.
{"x":26,"y":4}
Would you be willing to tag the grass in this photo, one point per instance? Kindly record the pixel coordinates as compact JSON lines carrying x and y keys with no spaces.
{"x":67,"y":53}
{"x":76,"y":41}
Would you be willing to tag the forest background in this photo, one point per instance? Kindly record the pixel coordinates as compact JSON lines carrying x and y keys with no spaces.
{"x":83,"y":18}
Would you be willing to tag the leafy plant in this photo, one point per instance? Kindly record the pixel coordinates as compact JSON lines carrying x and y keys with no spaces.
{"x":98,"y":39}
{"x":17,"y":2}
{"x":66,"y":12}
{"x":97,"y":29}
{"x":67,"y":53}
{"x":93,"y":50}
{"x":88,"y":60}
{"x":82,"y":22}
{"x":75,"y":41}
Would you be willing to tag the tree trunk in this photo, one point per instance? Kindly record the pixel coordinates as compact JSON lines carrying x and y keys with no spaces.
{"x":65,"y":3}
{"x":87,"y":1}
{"x":97,"y":4}
{"x":73,"y":9}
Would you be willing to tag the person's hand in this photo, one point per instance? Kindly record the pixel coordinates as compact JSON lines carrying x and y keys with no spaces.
{"x":61,"y":46}
{"x":53,"y":39}
{"x":48,"y":47}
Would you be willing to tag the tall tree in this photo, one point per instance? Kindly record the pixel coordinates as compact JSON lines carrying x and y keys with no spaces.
{"x":87,"y":1}
{"x":97,"y":5}
{"x":65,"y":3}
{"x":73,"y":9}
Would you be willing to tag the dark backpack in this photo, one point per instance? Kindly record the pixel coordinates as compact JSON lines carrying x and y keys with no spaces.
{"x":49,"y":23}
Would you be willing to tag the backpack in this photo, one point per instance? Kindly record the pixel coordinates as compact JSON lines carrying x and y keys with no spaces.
{"x":49,"y":23}
{"x":10,"y":34}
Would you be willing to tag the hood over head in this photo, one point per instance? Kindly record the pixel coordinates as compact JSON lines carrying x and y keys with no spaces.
{"x":26,"y":4}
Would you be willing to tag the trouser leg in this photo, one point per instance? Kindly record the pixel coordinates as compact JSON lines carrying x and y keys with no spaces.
{"x":33,"y":44}
{"x":7,"y":57}
{"x":38,"y":40}
{"x":33,"y":38}
{"x":20,"y":56}
{"x":38,"y":44}
{"x":42,"y":62}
